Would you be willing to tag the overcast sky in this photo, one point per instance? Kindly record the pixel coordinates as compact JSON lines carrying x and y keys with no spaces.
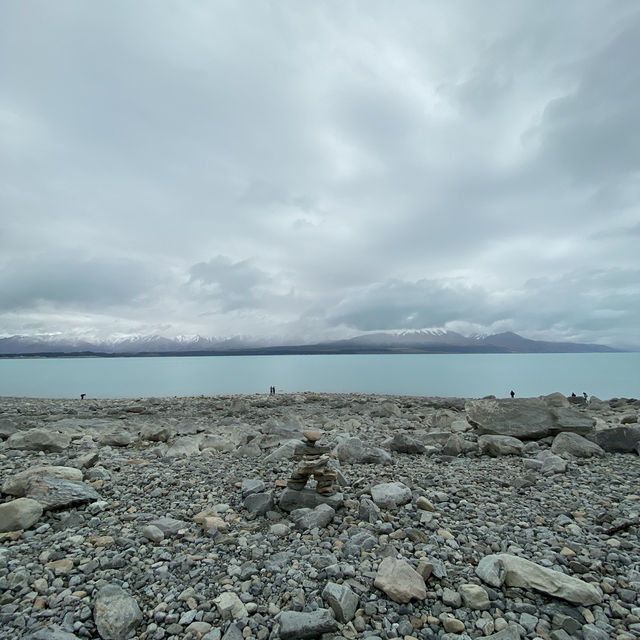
{"x":309,"y":169}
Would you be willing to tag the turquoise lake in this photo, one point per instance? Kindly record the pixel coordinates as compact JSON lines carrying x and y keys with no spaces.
{"x":605,"y":375}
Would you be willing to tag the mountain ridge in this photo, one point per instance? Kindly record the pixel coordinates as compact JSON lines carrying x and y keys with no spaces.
{"x":401,"y":341}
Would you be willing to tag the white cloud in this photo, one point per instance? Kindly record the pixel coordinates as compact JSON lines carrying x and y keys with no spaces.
{"x":313,"y":169}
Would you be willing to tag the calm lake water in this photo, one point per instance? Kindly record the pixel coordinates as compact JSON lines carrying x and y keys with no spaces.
{"x":605,"y":375}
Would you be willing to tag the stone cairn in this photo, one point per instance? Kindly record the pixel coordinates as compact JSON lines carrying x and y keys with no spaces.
{"x":316,"y":462}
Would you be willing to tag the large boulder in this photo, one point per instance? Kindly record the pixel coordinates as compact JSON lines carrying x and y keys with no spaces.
{"x":155,"y":433}
{"x":217,"y":443}
{"x":400,"y":581}
{"x":504,"y":568}
{"x":17,"y":485}
{"x":525,"y":418}
{"x":286,"y":451}
{"x":551,"y":463}
{"x":38,"y":440}
{"x":618,"y":439}
{"x":19,"y":514}
{"x":184,"y":447}
{"x":500,"y":445}
{"x":402,"y":442}
{"x":58,"y":493}
{"x":7,"y":428}
{"x":353,"y":450}
{"x":575,"y":445}
{"x":119,"y":438}
{"x":386,"y":410}
{"x":456,"y":445}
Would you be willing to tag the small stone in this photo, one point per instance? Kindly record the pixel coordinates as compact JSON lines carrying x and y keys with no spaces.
{"x":342,"y":600}
{"x":453,"y":625}
{"x":230,"y":606}
{"x":153,"y":533}
{"x":425,"y":504}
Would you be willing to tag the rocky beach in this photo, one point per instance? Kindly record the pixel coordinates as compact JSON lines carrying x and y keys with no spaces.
{"x":198,"y":517}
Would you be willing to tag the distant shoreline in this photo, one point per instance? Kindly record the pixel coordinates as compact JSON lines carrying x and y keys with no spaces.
{"x":294,"y":351}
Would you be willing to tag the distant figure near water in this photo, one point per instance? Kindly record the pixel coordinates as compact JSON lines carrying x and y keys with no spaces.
{"x":272,"y":391}
{"x":584,"y":393}
{"x":513,"y":394}
{"x":82,"y":395}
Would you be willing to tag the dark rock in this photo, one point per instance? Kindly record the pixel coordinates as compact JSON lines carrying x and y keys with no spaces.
{"x":116,"y":613}
{"x":259,"y":503}
{"x":307,"y":498}
{"x":618,"y":439}
{"x":296,"y":625}
{"x":403,"y":443}
{"x":59,"y":493}
{"x":368,"y":511}
{"x":319,"y":517}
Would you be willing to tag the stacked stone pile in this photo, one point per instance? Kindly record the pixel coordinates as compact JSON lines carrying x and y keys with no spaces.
{"x":425,"y":518}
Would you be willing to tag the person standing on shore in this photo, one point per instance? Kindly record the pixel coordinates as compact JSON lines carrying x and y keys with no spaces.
{"x":512,"y":393}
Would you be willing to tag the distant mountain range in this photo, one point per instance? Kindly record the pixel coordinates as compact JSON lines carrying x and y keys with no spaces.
{"x":421,"y":341}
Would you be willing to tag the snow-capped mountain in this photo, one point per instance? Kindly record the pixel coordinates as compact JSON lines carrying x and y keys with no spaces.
{"x":398,"y":341}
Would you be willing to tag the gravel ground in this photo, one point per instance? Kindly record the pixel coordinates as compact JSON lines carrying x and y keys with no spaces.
{"x":234,"y":573}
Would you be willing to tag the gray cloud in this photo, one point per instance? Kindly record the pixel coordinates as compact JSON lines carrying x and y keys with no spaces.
{"x":74,"y":282}
{"x":304,"y":170}
{"x":232,"y":285}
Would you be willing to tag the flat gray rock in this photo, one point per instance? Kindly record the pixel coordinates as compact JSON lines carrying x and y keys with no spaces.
{"x":307,"y":498}
{"x":58,"y":493}
{"x":38,"y":440}
{"x":500,"y":445}
{"x":618,"y":439}
{"x":575,"y":445}
{"x":169,"y":526}
{"x":17,"y":485}
{"x":116,"y":439}
{"x":53,"y":633}
{"x":252,"y":485}
{"x":525,"y":418}
{"x":318,"y":517}
{"x":504,"y":568}
{"x":402,"y":442}
{"x":296,"y":625}
{"x":354,"y":451}
{"x":184,"y":446}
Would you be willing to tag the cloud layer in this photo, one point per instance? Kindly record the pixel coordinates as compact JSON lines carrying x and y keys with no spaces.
{"x":305,"y":170}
